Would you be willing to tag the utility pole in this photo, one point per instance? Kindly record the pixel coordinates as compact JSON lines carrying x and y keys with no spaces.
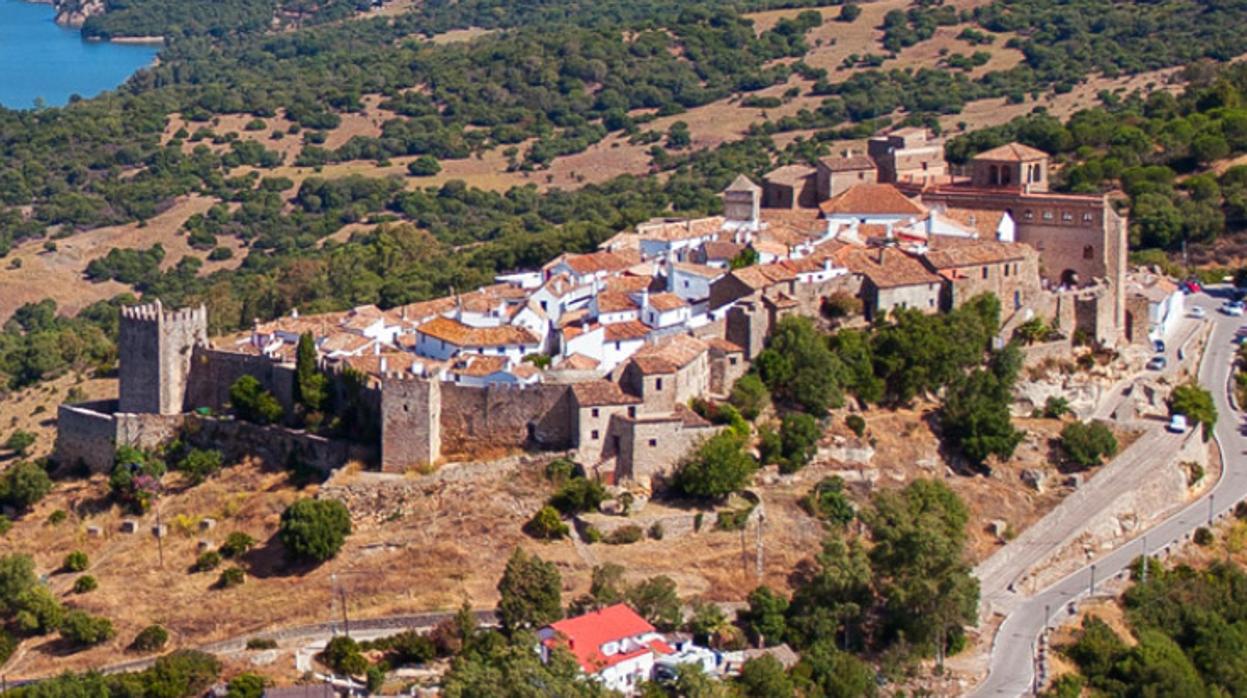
{"x":1211,"y":499}
{"x":759,"y":552}
{"x":341,"y":591}
{"x":1092,"y":591}
{"x":1143,"y":576}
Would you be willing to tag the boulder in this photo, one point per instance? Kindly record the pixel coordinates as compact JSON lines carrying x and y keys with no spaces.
{"x":1034,"y":478}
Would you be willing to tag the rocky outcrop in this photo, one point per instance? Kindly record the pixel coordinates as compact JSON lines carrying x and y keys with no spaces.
{"x":74,"y":13}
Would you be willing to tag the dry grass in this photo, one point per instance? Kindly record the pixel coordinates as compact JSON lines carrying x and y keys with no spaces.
{"x":33,"y":409}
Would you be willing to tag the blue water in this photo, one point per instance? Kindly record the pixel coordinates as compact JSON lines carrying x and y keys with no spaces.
{"x":39,"y":59}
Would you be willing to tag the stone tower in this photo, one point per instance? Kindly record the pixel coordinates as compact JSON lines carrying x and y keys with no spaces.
{"x":411,"y":421}
{"x":155,"y":347}
{"x":742,"y":201}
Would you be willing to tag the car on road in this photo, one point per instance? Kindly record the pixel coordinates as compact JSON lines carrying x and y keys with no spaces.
{"x":1197,"y":312}
{"x":1177,"y":424}
{"x":1233,"y":309}
{"x":1158,"y":363}
{"x":1190,"y":286}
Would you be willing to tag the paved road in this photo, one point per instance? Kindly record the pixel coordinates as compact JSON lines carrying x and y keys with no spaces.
{"x":1012,"y":671}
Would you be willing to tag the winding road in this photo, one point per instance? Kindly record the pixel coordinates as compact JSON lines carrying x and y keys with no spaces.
{"x":1017,"y":645}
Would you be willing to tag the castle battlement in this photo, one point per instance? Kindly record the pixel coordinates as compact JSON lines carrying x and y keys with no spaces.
{"x":155,"y":346}
{"x":155,"y":312}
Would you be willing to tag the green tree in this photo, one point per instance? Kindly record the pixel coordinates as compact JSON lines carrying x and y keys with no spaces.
{"x":84,"y":630}
{"x":424,"y":166}
{"x":253,"y":403}
{"x":828,"y":502}
{"x":245,"y":685}
{"x":342,"y":654}
{"x":764,"y":621}
{"x":655,"y":599}
{"x":799,"y":434}
{"x":719,"y":467}
{"x":38,"y":611}
{"x":975,"y":416}
{"x":309,"y":382}
{"x":606,"y":588}
{"x":833,"y":600}
{"x":17,"y":575}
{"x":827,"y":671}
{"x":20,"y":442}
{"x":313,"y":530}
{"x":529,"y":593}
{"x":546,"y":524}
{"x":750,"y":396}
{"x":1195,"y":402}
{"x":764,"y":677}
{"x":799,"y":368}
{"x":75,"y":561}
{"x":24,"y":484}
{"x":1087,"y":443}
{"x":150,"y":639}
{"x":201,"y":464}
{"x":495,"y":666}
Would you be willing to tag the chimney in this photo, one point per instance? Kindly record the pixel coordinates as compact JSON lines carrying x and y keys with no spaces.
{"x":644,"y":298}
{"x":402,"y":313}
{"x":294,"y":312}
{"x":882,"y":249}
{"x":384,"y":364}
{"x":827,"y":264}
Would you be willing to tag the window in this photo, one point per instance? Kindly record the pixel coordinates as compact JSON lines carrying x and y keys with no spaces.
{"x":984,"y":272}
{"x":1067,"y":216}
{"x":861,"y":175}
{"x":653,"y":443}
{"x":658,"y":384}
{"x":1087,"y":217}
{"x":594,"y":435}
{"x":595,"y":412}
{"x":731,"y":360}
{"x":1028,"y":215}
{"x":1047,"y":215}
{"x":1088,"y":252}
{"x":543,"y":306}
{"x":632,"y":410}
{"x":618,"y":346}
{"x":1006,"y":270}
{"x":930,"y":302}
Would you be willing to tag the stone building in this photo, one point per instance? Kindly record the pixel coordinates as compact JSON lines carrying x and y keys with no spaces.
{"x":155,"y":346}
{"x":907,"y":154}
{"x":1010,"y":271}
{"x":836,"y":174}
{"x":790,"y":186}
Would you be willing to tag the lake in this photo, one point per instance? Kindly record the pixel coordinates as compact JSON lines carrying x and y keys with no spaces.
{"x":39,"y":59}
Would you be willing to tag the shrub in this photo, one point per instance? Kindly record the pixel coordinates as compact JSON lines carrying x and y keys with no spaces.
{"x":199,"y":464}
{"x":84,"y":630}
{"x":732,"y":519}
{"x":261,"y":643}
{"x":1055,"y":407}
{"x":253,"y":403}
{"x":578,"y":495}
{"x":1240,"y":510}
{"x":84,"y":584}
{"x":314,"y":529}
{"x":798,"y":435}
{"x":656,"y":531}
{"x":75,"y":562}
{"x":343,"y":656}
{"x":246,"y":685}
{"x":849,"y":12}
{"x":8,"y":644}
{"x":20,"y":442}
{"x":1086,"y":444}
{"x":827,"y":501}
{"x":625,"y":535}
{"x":856,"y":424}
{"x":236,"y":545}
{"x":58,"y":517}
{"x":592,"y":535}
{"x":231,"y":577}
{"x":150,"y":639}
{"x":546,"y":524}
{"x":208,"y":561}
{"x":750,"y":396}
{"x":411,"y":647}
{"x":1203,"y":537}
{"x":38,"y":611}
{"x":424,"y":166}
{"x":560,"y":470}
{"x":24,"y":484}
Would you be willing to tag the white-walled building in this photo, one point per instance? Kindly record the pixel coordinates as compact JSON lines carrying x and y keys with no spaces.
{"x":615,"y":646}
{"x":443,"y":338}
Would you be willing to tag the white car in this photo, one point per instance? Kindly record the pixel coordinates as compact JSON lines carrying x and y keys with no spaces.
{"x":1197,"y":312}
{"x":1233,"y":309}
{"x":1177,"y":424}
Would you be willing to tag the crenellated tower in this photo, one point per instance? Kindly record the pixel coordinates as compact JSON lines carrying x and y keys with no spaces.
{"x":155,"y":347}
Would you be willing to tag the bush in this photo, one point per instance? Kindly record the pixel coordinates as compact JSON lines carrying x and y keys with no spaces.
{"x":578,"y":495}
{"x":84,"y":584}
{"x":343,"y":656}
{"x":1240,"y":511}
{"x":57,"y":517}
{"x":560,"y":470}
{"x":750,"y":396}
{"x":20,"y":442}
{"x":798,"y":434}
{"x":236,"y":544}
{"x":827,"y":501}
{"x":732,"y":519}
{"x":1086,"y":444}
{"x":1055,"y":407}
{"x":208,"y":561}
{"x":424,"y":166}
{"x":150,"y":639}
{"x":261,"y":643}
{"x":1203,"y":537}
{"x":656,"y":530}
{"x":231,"y":577}
{"x":314,"y":529}
{"x":246,"y":685}
{"x":8,"y":644}
{"x":856,"y":424}
{"x":38,"y":611}
{"x":592,"y":535}
{"x":253,"y":403}
{"x":546,"y":524}
{"x":76,"y":561}
{"x":199,"y":464}
{"x":625,"y":535}
{"x":849,"y":12}
{"x":84,"y":630}
{"x":24,"y":484}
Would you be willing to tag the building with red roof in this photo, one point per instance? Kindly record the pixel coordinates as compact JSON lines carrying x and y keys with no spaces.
{"x":615,"y":645}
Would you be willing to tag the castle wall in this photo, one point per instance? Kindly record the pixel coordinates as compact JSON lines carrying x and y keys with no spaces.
{"x":411,"y":426}
{"x":155,"y":346}
{"x":86,"y":434}
{"x":503,"y":417}
{"x":213,"y":371}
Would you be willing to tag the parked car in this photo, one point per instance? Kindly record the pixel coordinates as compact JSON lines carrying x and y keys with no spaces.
{"x":1158,"y":346}
{"x":1190,"y":286}
{"x":1234,"y":309}
{"x":1158,"y":363}
{"x":1177,"y":424}
{"x":1197,"y":312}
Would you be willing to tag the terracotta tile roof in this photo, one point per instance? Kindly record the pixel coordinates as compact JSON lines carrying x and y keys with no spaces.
{"x":370,"y":364}
{"x":615,"y":302}
{"x":459,"y":334}
{"x":789,"y":175}
{"x":601,"y":392}
{"x":984,"y":222}
{"x":319,"y":325}
{"x":743,"y":183}
{"x":671,"y":229}
{"x":945,"y":254}
{"x":791,"y":226}
{"x":572,"y":317}
{"x":771,"y":247}
{"x":665,"y":302}
{"x":1011,"y":152}
{"x":584,"y":636}
{"x":669,"y":355}
{"x":885,"y":267}
{"x":700,"y":270}
{"x":525,"y":370}
{"x":760,"y":276}
{"x":721,"y":251}
{"x":722,"y":345}
{"x":595,"y":262}
{"x":876,"y":199}
{"x":422,"y":311}
{"x":850,"y":163}
{"x":624,"y":331}
{"x":345,"y":342}
{"x":782,"y":300}
{"x":681,"y":414}
{"x":580,"y":362}
{"x":628,"y":284}
{"x":478,"y":366}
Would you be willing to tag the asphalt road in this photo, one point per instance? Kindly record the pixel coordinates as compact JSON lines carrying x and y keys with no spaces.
{"x":1013,"y":658}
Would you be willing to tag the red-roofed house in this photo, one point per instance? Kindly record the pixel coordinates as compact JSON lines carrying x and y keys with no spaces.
{"x":615,"y":645}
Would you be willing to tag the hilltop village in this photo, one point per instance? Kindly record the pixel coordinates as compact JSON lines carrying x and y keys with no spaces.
{"x":601,"y":353}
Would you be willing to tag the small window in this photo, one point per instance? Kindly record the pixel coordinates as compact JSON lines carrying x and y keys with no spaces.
{"x":618,"y":346}
{"x":658,"y":384}
{"x":595,"y":412}
{"x":1028,"y":215}
{"x":685,"y":284}
{"x":594,"y":435}
{"x":731,"y":360}
{"x":1087,"y":217}
{"x":1088,"y":252}
{"x":653,"y":443}
{"x":861,"y":175}
{"x":632,"y":410}
{"x":984,"y":272}
{"x":1006,"y":270}
{"x":930,"y":302}
{"x":1067,"y":216}
{"x":1047,"y":215}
